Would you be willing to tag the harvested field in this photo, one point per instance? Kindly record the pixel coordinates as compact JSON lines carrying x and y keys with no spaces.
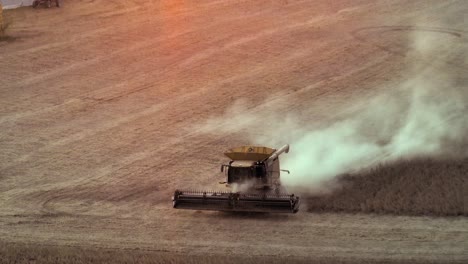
{"x":53,"y":254}
{"x":104,"y":107}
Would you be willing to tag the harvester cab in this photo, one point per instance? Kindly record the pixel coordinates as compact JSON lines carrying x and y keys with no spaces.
{"x":256,"y":167}
{"x":255,"y":171}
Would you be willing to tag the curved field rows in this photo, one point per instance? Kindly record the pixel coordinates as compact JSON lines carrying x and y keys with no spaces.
{"x":103,"y":104}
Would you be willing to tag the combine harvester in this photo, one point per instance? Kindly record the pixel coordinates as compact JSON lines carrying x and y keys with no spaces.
{"x":255,"y":169}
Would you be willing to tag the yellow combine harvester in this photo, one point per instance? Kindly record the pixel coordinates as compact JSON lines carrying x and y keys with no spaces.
{"x":255,"y":169}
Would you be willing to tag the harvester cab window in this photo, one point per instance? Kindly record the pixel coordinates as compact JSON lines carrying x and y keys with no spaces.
{"x":260,"y":171}
{"x":239,"y":174}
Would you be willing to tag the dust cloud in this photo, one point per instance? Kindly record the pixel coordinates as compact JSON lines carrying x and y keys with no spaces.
{"x":423,"y":116}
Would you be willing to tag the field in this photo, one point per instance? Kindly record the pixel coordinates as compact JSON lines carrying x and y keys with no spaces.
{"x":416,"y":187}
{"x":107,"y":107}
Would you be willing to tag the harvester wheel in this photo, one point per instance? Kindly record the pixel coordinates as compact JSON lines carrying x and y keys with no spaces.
{"x":35,"y":3}
{"x":57,"y":3}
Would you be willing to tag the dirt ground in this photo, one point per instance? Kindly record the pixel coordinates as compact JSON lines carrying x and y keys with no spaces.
{"x":100,"y":101}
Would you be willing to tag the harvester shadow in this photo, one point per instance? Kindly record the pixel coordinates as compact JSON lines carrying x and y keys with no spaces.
{"x":252,"y":215}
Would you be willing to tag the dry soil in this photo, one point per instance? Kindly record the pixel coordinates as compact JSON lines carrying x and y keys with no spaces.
{"x":99,"y":101}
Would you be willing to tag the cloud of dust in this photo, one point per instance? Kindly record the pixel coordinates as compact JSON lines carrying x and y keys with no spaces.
{"x":425,"y":116}
{"x":242,"y":187}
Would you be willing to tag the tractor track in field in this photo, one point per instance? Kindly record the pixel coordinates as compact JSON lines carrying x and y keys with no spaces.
{"x":105,"y":114}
